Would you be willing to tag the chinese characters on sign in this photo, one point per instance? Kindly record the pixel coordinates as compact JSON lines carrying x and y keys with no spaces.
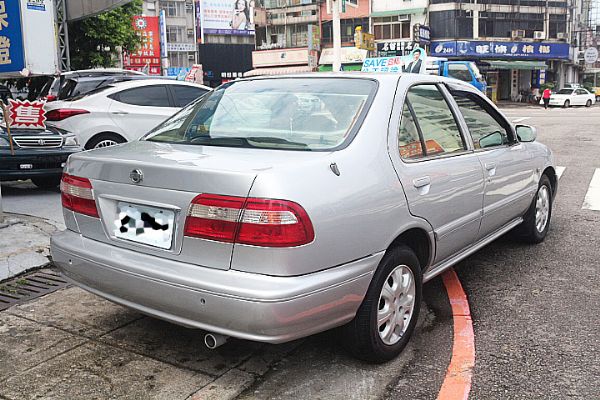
{"x":27,"y":114}
{"x":148,"y":56}
{"x":500,"y":49}
{"x":228,"y":17}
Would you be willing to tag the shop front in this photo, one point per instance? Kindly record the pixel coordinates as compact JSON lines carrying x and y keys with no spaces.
{"x":282,"y":61}
{"x":352,"y":59}
{"x":513,"y":70}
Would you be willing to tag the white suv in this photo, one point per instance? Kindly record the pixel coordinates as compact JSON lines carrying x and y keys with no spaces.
{"x":122,"y":111}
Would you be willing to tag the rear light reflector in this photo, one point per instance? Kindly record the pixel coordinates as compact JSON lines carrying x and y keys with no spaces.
{"x":253,"y":221}
{"x":62,"y":113}
{"x":51,"y":97}
{"x":77,"y":195}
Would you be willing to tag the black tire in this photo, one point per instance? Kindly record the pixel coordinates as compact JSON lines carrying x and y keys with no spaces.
{"x":588,"y":103}
{"x":527,"y":231}
{"x":104,"y":137}
{"x":567,"y":104}
{"x":46,"y":182}
{"x":361,"y":335}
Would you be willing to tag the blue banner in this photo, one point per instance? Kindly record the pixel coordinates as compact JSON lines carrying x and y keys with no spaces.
{"x":12,"y":57}
{"x":500,"y":50}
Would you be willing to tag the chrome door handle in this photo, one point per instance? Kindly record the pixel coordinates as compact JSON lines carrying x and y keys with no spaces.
{"x":490,"y":166}
{"x":421,"y":182}
{"x":119,"y":112}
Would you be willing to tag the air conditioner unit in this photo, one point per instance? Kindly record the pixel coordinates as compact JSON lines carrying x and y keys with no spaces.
{"x":403,"y":17}
{"x":191,"y":57}
{"x":539,"y":35}
{"x":561,"y":35}
{"x":190,"y":32}
{"x":518,"y":34}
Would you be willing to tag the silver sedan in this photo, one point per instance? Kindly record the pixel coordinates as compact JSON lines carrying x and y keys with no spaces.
{"x":276,"y":208}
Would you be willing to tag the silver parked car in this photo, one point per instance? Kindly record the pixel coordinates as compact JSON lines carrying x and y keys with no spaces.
{"x":276,"y":208}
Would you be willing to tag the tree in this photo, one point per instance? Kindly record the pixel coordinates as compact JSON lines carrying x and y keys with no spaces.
{"x":93,"y":41}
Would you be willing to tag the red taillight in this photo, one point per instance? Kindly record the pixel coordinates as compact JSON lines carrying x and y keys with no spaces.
{"x":76,"y":195}
{"x":51,"y":97}
{"x":62,"y":113}
{"x":253,"y":221}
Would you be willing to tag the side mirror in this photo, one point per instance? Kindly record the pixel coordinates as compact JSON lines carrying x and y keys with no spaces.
{"x":526,"y":133}
{"x":491,"y":140}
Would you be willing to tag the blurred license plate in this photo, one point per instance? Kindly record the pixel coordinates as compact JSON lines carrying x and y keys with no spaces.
{"x":148,"y":225}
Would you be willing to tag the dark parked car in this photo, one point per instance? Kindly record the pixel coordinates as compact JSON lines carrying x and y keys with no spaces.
{"x":39,"y":155}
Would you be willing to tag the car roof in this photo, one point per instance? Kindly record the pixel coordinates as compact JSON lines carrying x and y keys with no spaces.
{"x":153,"y":81}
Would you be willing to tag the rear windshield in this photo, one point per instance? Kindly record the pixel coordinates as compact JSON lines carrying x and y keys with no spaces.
{"x":72,"y":88}
{"x":293,"y":114}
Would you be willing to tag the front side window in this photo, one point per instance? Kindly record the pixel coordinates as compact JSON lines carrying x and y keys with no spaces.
{"x":459,"y":71}
{"x":427,"y":126}
{"x":486,"y":129}
{"x":291,"y":114}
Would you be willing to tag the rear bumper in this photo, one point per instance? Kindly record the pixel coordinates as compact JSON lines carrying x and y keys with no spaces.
{"x":239,"y":304}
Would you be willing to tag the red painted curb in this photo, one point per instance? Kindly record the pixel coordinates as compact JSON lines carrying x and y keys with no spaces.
{"x":457,"y":383}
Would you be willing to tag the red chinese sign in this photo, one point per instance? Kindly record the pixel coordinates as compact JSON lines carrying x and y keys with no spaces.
{"x":147,"y":58}
{"x":27,"y":114}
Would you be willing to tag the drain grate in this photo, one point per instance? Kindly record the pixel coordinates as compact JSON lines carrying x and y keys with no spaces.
{"x":30,"y":286}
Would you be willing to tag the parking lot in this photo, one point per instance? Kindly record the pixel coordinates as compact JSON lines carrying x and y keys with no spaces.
{"x":534,"y":311}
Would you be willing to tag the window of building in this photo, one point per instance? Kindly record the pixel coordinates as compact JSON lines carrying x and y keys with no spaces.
{"x":297,"y":36}
{"x":175,"y":34}
{"x":178,"y":59}
{"x":427,"y":126}
{"x":347,"y":26}
{"x":172,"y":8}
{"x":391,"y":28}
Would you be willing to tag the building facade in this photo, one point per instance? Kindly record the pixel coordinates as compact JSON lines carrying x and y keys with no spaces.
{"x":180,"y":33}
{"x":520,"y":44}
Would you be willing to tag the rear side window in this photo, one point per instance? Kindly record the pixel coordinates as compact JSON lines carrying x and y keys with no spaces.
{"x":427,"y":126}
{"x":184,"y":95}
{"x":482,"y":121}
{"x":460,"y":71}
{"x":148,"y":96}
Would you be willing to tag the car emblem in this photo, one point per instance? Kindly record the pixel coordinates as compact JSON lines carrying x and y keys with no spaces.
{"x":136,"y":176}
{"x":41,"y":142}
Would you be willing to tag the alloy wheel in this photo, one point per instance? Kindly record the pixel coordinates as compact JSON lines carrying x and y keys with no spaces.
{"x":396,"y":304}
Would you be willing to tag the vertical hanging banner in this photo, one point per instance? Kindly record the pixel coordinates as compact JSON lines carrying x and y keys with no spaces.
{"x":12,"y":55}
{"x":147,"y":58}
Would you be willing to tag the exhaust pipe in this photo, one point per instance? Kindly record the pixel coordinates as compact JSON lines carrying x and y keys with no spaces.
{"x":214,"y":340}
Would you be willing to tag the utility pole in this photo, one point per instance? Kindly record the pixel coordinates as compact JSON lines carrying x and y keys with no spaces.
{"x":337,"y":35}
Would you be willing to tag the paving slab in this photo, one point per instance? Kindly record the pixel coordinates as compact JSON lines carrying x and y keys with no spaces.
{"x":25,"y":344}
{"x":227,"y":387}
{"x":180,"y":346}
{"x":98,"y":371}
{"x":322,"y":369}
{"x":76,"y":311}
{"x":24,"y":244}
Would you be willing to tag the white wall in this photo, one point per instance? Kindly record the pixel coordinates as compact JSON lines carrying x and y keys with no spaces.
{"x":393,"y":5}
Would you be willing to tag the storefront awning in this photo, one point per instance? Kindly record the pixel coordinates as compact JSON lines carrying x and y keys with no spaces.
{"x":528,"y":65}
{"x":278,"y":70}
{"x":398,"y":12}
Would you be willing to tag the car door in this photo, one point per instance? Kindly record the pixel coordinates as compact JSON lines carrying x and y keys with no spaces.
{"x":441,"y":176}
{"x":509,"y":167}
{"x":582,"y":96}
{"x":137,"y":110}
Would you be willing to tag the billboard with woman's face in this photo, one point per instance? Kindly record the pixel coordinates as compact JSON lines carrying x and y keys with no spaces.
{"x":226,"y":17}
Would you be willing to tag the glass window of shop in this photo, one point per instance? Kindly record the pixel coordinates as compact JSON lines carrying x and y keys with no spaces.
{"x":391,"y":28}
{"x":297,"y":36}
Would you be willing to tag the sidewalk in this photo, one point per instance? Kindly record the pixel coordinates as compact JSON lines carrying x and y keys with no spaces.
{"x":24,"y":244}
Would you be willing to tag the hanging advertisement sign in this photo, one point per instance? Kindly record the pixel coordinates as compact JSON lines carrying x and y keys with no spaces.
{"x":314,"y":37}
{"x":411,"y":63}
{"x":162,"y":27}
{"x":147,"y":58}
{"x":26,"y":114}
{"x":475,"y":48}
{"x":227,"y":17}
{"x":22,"y":23}
{"x":395,"y":48}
